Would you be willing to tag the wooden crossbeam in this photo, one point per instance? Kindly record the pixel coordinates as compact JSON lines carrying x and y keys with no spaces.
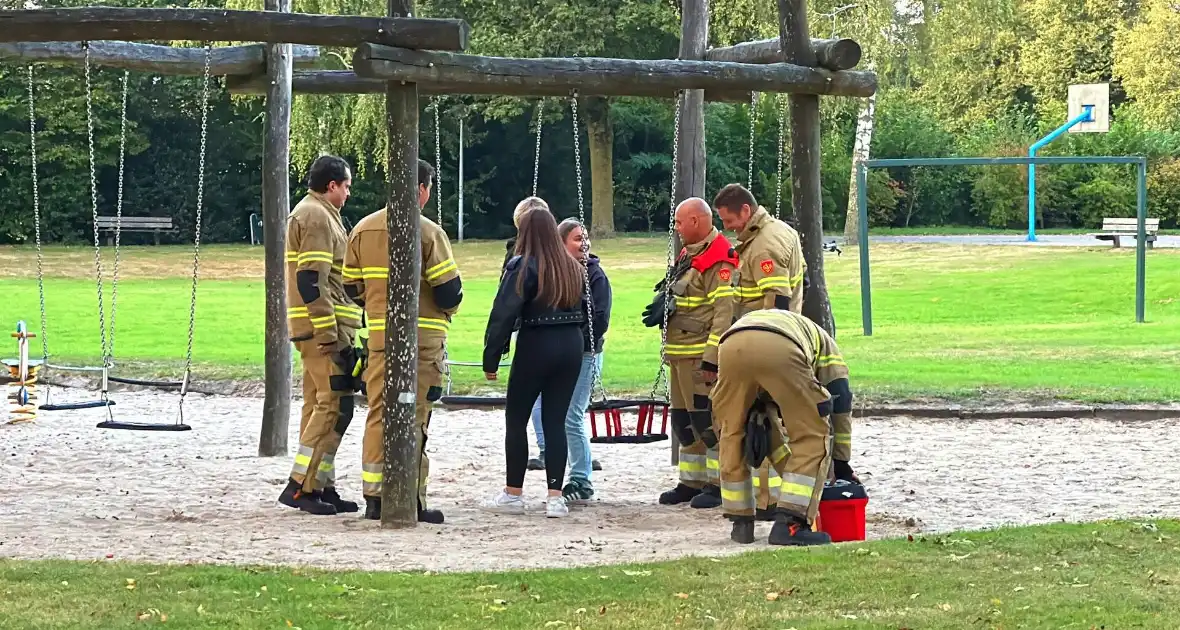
{"x":229,"y":60}
{"x":225,"y":25}
{"x":605,"y":77}
{"x":347,"y":82}
{"x":833,"y":54}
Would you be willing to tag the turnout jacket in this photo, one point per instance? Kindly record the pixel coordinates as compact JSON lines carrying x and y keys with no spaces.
{"x":317,"y":306}
{"x":772,"y":267}
{"x":366,"y":273}
{"x":512,"y":307}
{"x":704,"y":301}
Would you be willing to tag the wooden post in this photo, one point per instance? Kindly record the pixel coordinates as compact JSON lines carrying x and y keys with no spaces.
{"x":805,"y":162}
{"x":690,"y":155}
{"x":276,"y":203}
{"x":399,"y":490}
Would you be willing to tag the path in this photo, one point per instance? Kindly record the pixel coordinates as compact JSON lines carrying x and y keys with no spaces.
{"x":1045,"y":240}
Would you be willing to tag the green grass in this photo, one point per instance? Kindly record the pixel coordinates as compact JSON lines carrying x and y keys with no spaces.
{"x":949,"y":321}
{"x":1100,"y":575}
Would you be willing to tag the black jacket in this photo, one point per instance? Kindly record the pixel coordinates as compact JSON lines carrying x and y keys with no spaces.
{"x":600,"y":293}
{"x":510,"y":307}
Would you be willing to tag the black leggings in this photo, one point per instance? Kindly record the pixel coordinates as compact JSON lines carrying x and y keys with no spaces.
{"x":547,"y":362}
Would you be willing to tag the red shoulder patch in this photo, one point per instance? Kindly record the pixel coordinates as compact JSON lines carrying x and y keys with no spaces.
{"x":767,"y":266}
{"x":725,"y":275}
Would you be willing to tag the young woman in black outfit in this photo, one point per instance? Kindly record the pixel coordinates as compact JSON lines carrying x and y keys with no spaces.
{"x":542,"y":287}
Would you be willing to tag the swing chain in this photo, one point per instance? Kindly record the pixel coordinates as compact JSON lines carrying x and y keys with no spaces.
{"x":102,"y":326}
{"x":437,"y":103}
{"x":192,"y":309}
{"x":537,"y":155}
{"x":782,"y":132}
{"x":37,"y":218}
{"x":660,"y":387}
{"x":753,"y":123}
{"x":110,"y":358}
{"x":596,"y":386}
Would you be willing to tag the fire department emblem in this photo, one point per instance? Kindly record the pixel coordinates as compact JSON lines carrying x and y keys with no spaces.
{"x":767,"y":267}
{"x":724,"y":275}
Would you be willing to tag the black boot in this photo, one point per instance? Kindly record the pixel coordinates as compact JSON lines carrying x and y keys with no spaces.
{"x":764,"y":515}
{"x":434,"y":517}
{"x":743,"y":530}
{"x":537,"y":463}
{"x":294,"y":496}
{"x":792,"y":530}
{"x":678,"y":495}
{"x":373,"y":508}
{"x":710,"y":497}
{"x":331,"y":497}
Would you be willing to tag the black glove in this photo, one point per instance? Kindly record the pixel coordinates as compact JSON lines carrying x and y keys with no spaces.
{"x":346,"y":360}
{"x":653,"y":315}
{"x":757,"y":446}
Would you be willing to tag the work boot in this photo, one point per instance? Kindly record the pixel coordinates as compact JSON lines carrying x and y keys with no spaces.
{"x":331,"y":497}
{"x":434,"y":517}
{"x":764,"y":515}
{"x":743,"y":530}
{"x":538,"y":462}
{"x":710,"y":497}
{"x":373,"y":508}
{"x":792,"y":530}
{"x":294,"y":496}
{"x":680,"y":494}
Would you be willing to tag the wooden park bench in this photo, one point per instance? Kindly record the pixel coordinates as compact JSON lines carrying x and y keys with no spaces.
{"x":1113,"y":229}
{"x":134,"y":224}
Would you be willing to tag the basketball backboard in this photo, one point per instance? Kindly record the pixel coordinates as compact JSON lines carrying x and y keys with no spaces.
{"x":1096,"y":95}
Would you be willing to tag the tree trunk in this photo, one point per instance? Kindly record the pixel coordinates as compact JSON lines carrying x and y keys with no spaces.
{"x":860,"y":152}
{"x":602,"y":151}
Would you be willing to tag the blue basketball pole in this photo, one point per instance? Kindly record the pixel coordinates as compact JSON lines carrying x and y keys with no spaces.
{"x":1087,"y":115}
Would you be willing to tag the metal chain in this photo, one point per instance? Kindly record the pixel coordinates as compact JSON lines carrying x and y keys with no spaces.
{"x":660,"y":386}
{"x":102,"y":326}
{"x":537,"y":157}
{"x":753,"y":122}
{"x":110,"y":358}
{"x":782,"y":134}
{"x":37,"y":220}
{"x":438,"y":162}
{"x":596,"y":386}
{"x":192,"y":308}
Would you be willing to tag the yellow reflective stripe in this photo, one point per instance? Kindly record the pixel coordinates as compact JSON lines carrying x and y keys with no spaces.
{"x":327,"y":321}
{"x":748,"y":292}
{"x":687,"y":466}
{"x":440,"y":269}
{"x":302,"y":460}
{"x":736,"y":496}
{"x":684,"y":349}
{"x":434,"y":324}
{"x":828,"y":360}
{"x":377,"y":326}
{"x":714,"y":340}
{"x":797,"y":279}
{"x":372,"y":477}
{"x":774,"y":282}
{"x":354,"y":311}
{"x":713,"y":464}
{"x":292,"y":256}
{"x":693,"y":302}
{"x":315,"y":256}
{"x":373,"y":273}
{"x":351,"y":273}
{"x":779,"y":454}
{"x":801,"y":493}
{"x":844,"y":439}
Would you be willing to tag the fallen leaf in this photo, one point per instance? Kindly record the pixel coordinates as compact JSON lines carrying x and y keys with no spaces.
{"x":201,"y":611}
{"x":682,"y":595}
{"x":262,"y":588}
{"x":636,"y":573}
{"x":945,"y":607}
{"x":500,"y":602}
{"x":289,"y":624}
{"x":163,"y":618}
{"x":997,"y":602}
{"x":914,"y":595}
{"x":524,"y":588}
{"x":144,"y":616}
{"x":848,"y":616}
{"x":65,"y":583}
{"x":580,"y":611}
{"x":487,"y":587}
{"x":772,"y":596}
{"x":1079,"y":585}
{"x":130,"y":584}
{"x":602,"y":611}
{"x":554,"y":624}
{"x":497,"y":608}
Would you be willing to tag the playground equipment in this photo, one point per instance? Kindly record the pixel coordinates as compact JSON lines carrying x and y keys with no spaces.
{"x":22,"y":394}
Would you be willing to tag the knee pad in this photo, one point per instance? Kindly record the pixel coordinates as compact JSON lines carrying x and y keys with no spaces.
{"x":841,"y":394}
{"x":702,"y":423}
{"x":346,"y":408}
{"x":824,"y":408}
{"x":682,"y":426}
{"x":341,"y":383}
{"x":701,"y":401}
{"x":434,"y":393}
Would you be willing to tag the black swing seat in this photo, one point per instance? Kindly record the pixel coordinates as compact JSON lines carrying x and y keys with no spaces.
{"x":143,"y":426}
{"x":86,"y":404}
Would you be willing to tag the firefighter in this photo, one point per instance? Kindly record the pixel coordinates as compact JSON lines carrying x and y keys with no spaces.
{"x":440,"y":291}
{"x":323,"y":321}
{"x":769,"y":359}
{"x":771,"y":275}
{"x":700,"y":312}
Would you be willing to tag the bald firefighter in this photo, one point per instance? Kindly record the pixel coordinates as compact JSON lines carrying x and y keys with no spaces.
{"x":778,"y":358}
{"x":439,"y":293}
{"x":323,"y":321}
{"x":699,"y":313}
{"x":771,"y":275}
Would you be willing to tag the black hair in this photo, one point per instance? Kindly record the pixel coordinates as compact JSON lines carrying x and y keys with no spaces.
{"x":425,"y":173}
{"x":325,"y":170}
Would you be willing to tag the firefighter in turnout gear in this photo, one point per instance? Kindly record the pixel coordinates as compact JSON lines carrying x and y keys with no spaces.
{"x":366,"y":269}
{"x":701,"y":295}
{"x":772,"y":274}
{"x":778,"y":358}
{"x":323,"y":321}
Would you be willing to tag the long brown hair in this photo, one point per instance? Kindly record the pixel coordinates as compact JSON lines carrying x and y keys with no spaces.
{"x":559,"y":276}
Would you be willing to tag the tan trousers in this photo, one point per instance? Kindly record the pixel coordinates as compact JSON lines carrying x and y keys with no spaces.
{"x":753,"y":360}
{"x":698,"y":464}
{"x":327,"y":411}
{"x":842,"y":428}
{"x":430,"y":378}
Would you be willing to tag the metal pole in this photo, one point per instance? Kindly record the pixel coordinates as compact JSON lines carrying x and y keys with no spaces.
{"x":862,"y":230}
{"x":1141,"y":244}
{"x":460,"y":180}
{"x":1086,"y":116}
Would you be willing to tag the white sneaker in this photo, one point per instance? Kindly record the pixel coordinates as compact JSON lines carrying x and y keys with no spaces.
{"x":555,"y":507}
{"x":504,"y":503}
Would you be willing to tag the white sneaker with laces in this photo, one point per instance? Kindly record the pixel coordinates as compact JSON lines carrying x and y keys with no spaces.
{"x":555,"y":507}
{"x":504,"y":503}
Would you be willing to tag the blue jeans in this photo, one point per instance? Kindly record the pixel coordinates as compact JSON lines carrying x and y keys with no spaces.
{"x":580,"y":461}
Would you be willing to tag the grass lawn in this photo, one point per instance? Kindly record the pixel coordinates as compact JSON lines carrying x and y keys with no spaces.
{"x":949,"y":321}
{"x":1100,"y":575}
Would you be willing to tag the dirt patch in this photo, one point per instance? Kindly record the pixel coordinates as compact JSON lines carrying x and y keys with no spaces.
{"x":75,"y":491}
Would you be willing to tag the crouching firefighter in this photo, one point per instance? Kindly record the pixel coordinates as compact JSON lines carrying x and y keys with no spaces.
{"x":778,"y":359}
{"x":699,"y":312}
{"x":322,"y":321}
{"x":440,"y":290}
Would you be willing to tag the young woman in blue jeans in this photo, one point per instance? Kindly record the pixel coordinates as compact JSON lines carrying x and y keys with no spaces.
{"x":580,"y":489}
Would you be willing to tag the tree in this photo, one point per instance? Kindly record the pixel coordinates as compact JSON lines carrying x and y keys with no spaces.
{"x":1147,"y":59}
